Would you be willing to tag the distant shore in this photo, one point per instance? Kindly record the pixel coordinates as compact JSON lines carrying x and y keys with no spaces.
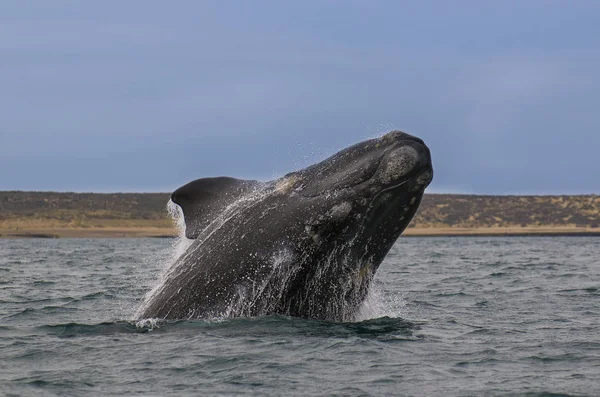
{"x":501,"y":231}
{"x":138,"y":232}
{"x":115,"y":215}
{"x":89,"y":232}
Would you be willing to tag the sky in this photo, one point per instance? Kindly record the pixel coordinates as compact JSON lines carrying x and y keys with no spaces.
{"x":143,"y":96}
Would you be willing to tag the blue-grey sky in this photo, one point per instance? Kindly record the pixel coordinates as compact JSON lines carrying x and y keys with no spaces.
{"x":148,"y":95}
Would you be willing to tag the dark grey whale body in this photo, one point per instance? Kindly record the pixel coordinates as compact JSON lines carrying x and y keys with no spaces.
{"x":307,"y":244}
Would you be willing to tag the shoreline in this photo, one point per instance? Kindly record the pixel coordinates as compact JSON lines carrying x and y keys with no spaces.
{"x":89,"y":232}
{"x":144,"y":232}
{"x":544,"y":231}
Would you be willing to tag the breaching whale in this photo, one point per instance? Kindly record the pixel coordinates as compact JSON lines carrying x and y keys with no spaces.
{"x":307,"y":244}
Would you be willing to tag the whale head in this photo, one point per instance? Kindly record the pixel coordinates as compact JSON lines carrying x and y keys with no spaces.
{"x":365,"y":194}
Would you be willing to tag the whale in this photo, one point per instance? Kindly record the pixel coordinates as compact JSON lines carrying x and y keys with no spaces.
{"x":307,"y":244}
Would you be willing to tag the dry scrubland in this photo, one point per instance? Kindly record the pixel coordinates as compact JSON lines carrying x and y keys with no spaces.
{"x":50,"y":214}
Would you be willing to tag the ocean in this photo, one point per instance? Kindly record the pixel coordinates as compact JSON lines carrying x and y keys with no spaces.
{"x":456,"y":316}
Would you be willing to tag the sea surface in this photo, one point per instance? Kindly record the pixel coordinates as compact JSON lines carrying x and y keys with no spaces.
{"x":455,"y":316}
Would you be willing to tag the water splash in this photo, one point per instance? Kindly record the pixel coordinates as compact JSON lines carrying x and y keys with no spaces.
{"x":148,"y":324}
{"x":378,"y":304}
{"x":263,"y":296}
{"x":171,"y":265}
{"x":181,"y":243}
{"x":266,"y":293}
{"x":167,"y":259}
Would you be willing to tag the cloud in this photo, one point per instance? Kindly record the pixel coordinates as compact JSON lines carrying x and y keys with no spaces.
{"x":167,"y":92}
{"x":498,"y":89}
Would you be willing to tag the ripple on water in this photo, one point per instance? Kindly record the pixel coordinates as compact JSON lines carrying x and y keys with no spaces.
{"x":514,"y":316}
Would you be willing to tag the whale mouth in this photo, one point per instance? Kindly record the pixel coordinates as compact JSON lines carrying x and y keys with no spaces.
{"x":413,"y":186}
{"x":390,"y":211}
{"x":401,"y":179}
{"x":425,"y":178}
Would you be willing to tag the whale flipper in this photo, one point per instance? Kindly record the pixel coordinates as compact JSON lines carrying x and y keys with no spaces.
{"x":204,"y":199}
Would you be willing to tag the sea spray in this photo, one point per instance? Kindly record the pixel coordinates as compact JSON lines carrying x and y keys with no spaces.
{"x":165,"y":260}
{"x":262,"y":297}
{"x":168,"y":266}
{"x":181,"y":243}
{"x":379,"y":304}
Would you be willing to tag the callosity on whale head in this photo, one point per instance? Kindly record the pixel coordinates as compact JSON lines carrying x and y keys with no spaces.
{"x":307,"y":244}
{"x":366,"y":194}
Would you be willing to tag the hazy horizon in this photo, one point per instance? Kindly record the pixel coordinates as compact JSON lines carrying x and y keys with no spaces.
{"x":147,"y":96}
{"x":169,"y":192}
